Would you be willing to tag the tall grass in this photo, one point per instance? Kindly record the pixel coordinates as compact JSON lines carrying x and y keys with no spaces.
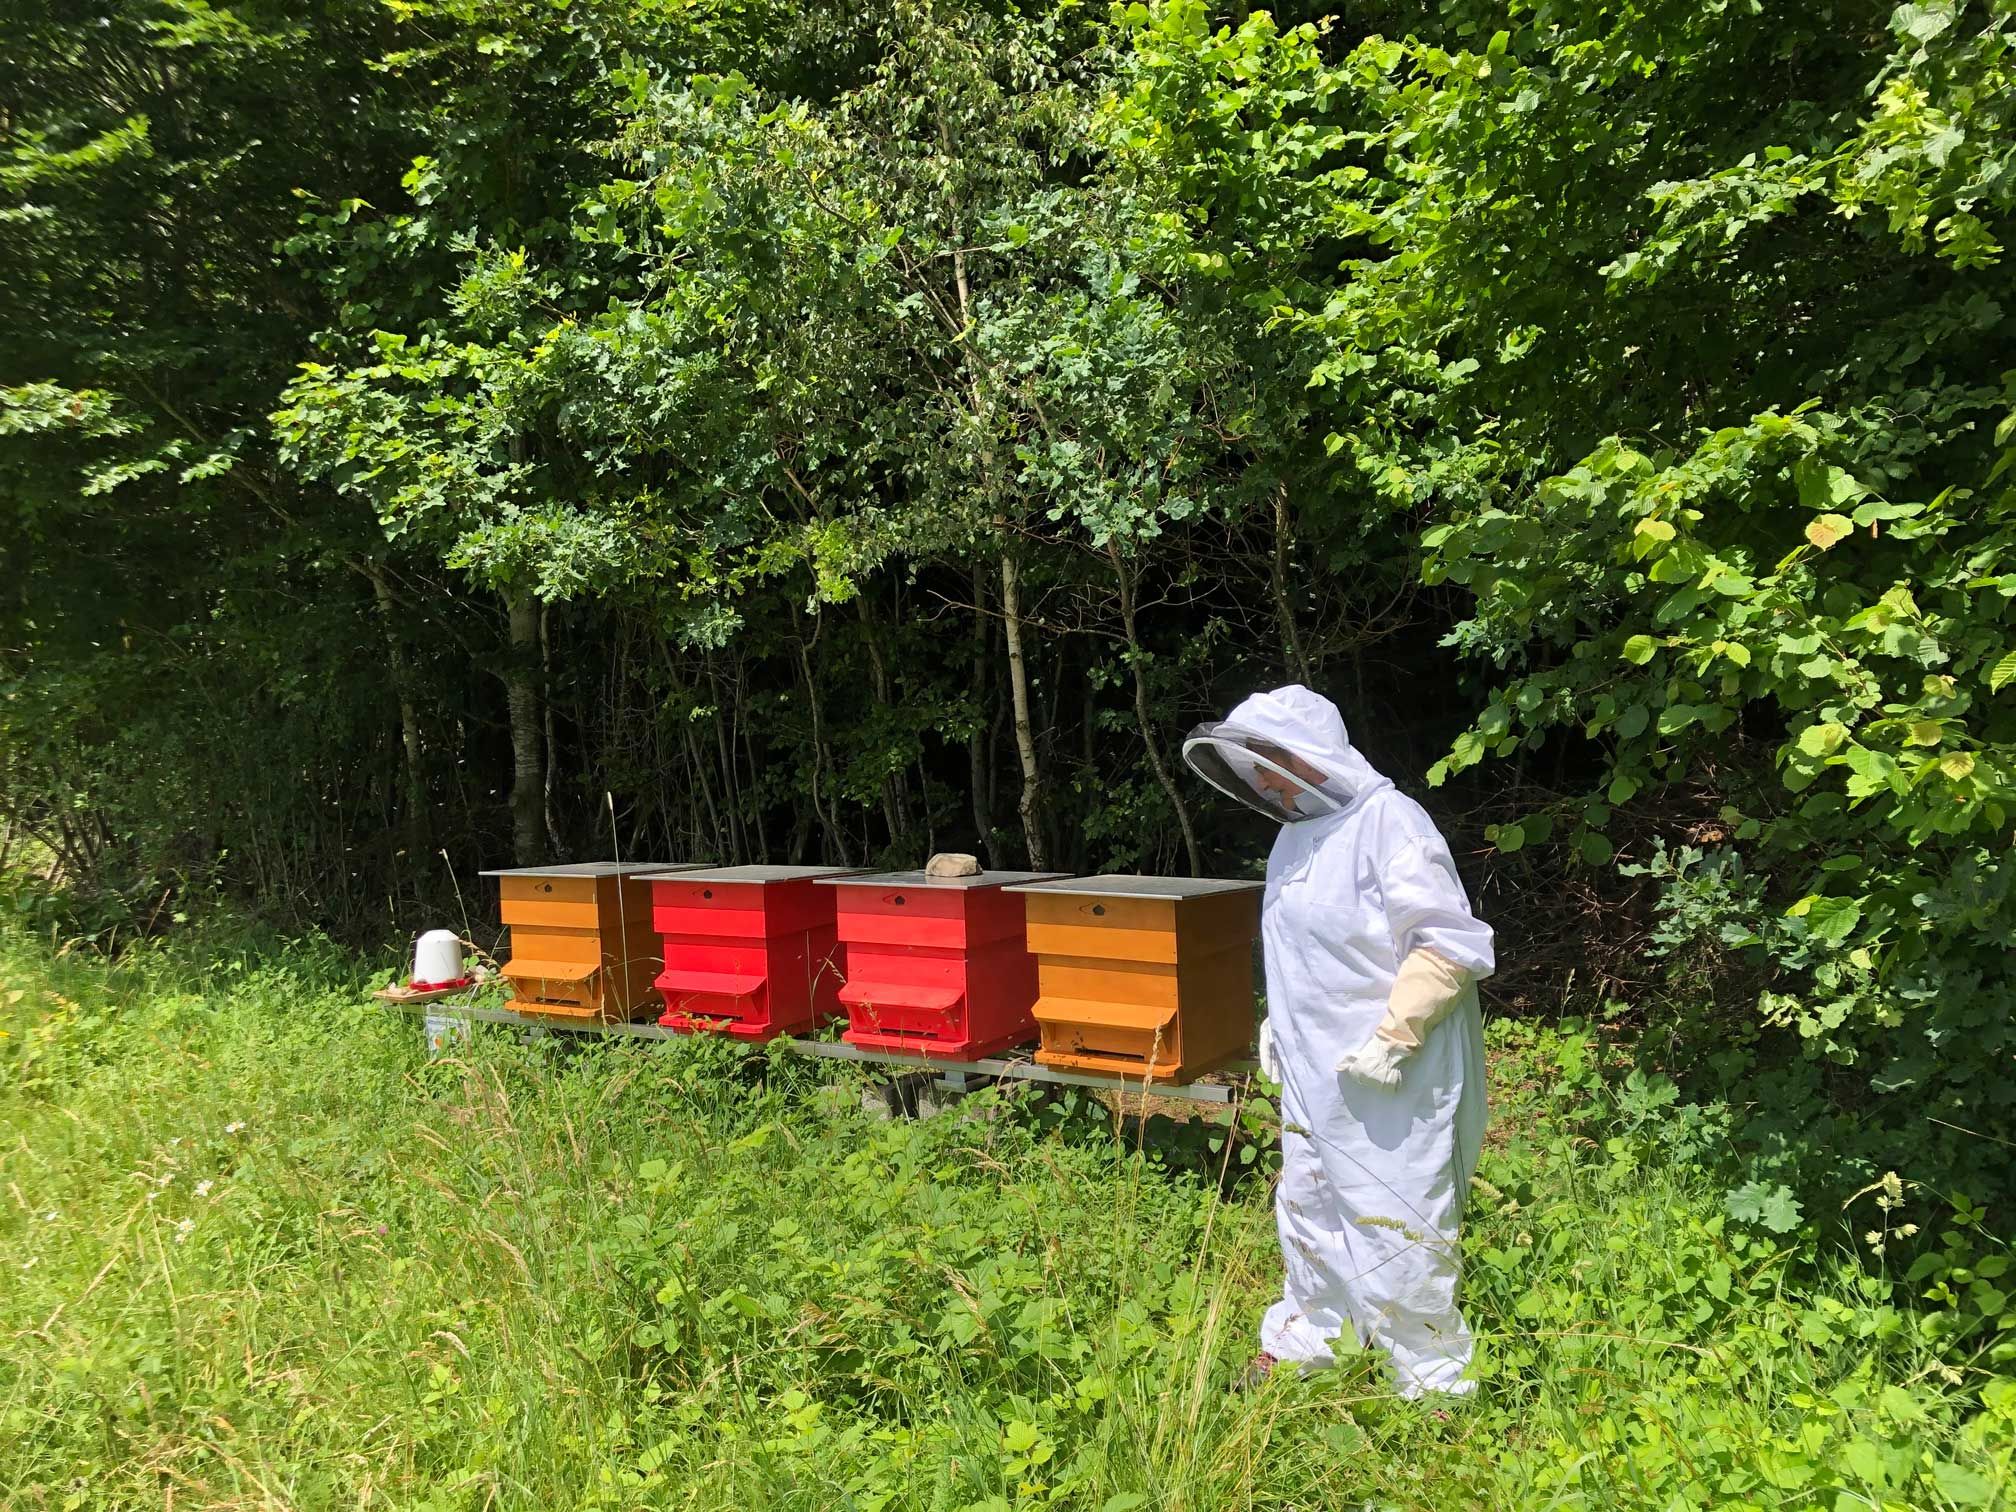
{"x":257,"y":1251}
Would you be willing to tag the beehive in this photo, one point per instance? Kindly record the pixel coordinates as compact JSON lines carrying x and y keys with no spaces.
{"x":748,"y":950}
{"x":1143,"y":976}
{"x":936,"y":966}
{"x":582,"y":945}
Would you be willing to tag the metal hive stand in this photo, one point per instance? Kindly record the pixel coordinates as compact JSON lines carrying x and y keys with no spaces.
{"x":950,"y":1073}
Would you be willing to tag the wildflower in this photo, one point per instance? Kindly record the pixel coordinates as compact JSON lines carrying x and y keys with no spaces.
{"x":203,"y":1187}
{"x":234,"y":1127}
{"x":50,"y":1216}
{"x":164,"y":1178}
{"x":30,"y":1262}
{"x":183,"y":1229}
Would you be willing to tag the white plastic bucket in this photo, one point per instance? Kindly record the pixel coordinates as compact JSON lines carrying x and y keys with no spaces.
{"x":437,"y":958}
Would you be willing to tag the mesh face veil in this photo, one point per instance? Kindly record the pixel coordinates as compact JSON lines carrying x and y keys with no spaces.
{"x":1243,"y":766}
{"x":1285,"y":754}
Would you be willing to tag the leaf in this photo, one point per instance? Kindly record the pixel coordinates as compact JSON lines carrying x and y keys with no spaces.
{"x":1821,"y":485}
{"x":1510,"y":837}
{"x":1622,"y":788}
{"x":1963,"y":1487}
{"x":2003,"y":670}
{"x":1958,"y":765}
{"x":1922,"y":23}
{"x":1822,"y":739}
{"x":659,"y":1455}
{"x":1717,"y":1281}
{"x":1596,"y":849}
{"x":1638,"y":649}
{"x":1773,"y":1208}
{"x":1874,"y":771}
{"x":1657,"y":529}
{"x":1833,"y":919}
{"x":1829,"y":530}
{"x":1632,"y":722}
{"x":1925,"y":732}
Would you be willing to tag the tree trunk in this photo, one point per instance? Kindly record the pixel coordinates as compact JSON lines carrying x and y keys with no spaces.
{"x":723,"y":746}
{"x":977,"y":744}
{"x":895,"y":810}
{"x":755,"y":788}
{"x":1284,"y":607}
{"x":831,"y":820}
{"x":1135,"y":659}
{"x":528,"y":829}
{"x":1030,"y":806}
{"x":401,"y":677}
{"x":693,"y":758}
{"x":552,"y":742}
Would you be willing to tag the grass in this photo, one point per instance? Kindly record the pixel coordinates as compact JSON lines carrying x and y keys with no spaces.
{"x":258,"y":1251}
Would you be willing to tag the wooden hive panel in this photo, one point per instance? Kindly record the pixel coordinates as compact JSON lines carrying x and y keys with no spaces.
{"x":746,"y":950}
{"x":936,"y":966}
{"x":582,"y":942}
{"x":1143,"y":976}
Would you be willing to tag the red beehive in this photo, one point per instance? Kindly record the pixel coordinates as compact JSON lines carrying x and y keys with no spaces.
{"x":748,"y":950}
{"x":936,"y":966}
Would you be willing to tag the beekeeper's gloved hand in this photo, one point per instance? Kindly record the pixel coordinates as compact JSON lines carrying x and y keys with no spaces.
{"x":1425,"y":989}
{"x":1270,"y":1065}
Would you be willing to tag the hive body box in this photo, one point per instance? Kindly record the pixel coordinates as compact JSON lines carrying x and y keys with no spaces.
{"x":936,"y":966}
{"x":748,"y":950}
{"x":1143,"y":976}
{"x":582,"y":945}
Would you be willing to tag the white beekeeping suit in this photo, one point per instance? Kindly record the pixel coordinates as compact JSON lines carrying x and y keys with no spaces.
{"x":1372,"y":956}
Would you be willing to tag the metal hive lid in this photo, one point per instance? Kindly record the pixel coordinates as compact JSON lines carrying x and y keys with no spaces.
{"x":1127,"y":886}
{"x":919,"y":879}
{"x":756,"y":873}
{"x":595,"y":869}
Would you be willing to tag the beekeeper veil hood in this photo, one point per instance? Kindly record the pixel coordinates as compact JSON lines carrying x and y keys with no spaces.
{"x":1284,"y":753}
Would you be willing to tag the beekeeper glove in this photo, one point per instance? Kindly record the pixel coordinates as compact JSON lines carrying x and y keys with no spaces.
{"x":1425,"y":989}
{"x":1270,"y":1066}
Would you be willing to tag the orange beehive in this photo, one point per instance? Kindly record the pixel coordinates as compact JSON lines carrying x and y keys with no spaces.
{"x":1143,"y":976}
{"x":582,"y":945}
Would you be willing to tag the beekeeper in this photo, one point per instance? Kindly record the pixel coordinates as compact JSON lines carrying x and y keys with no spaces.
{"x":1374,"y":1034}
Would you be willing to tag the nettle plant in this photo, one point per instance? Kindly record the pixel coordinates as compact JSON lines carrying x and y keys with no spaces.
{"x":1760,"y":622}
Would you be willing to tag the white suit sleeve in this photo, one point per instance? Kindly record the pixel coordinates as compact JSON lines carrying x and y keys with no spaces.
{"x":1427,"y":909}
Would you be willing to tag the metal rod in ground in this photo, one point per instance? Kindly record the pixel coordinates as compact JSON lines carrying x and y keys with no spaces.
{"x":1007,"y":1070}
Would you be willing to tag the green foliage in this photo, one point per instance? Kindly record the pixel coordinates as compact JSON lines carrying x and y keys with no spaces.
{"x":259,"y":1240}
{"x":1800,"y":615}
{"x":442,"y":430}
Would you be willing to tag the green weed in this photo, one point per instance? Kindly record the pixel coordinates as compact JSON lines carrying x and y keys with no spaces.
{"x":259,"y":1252}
